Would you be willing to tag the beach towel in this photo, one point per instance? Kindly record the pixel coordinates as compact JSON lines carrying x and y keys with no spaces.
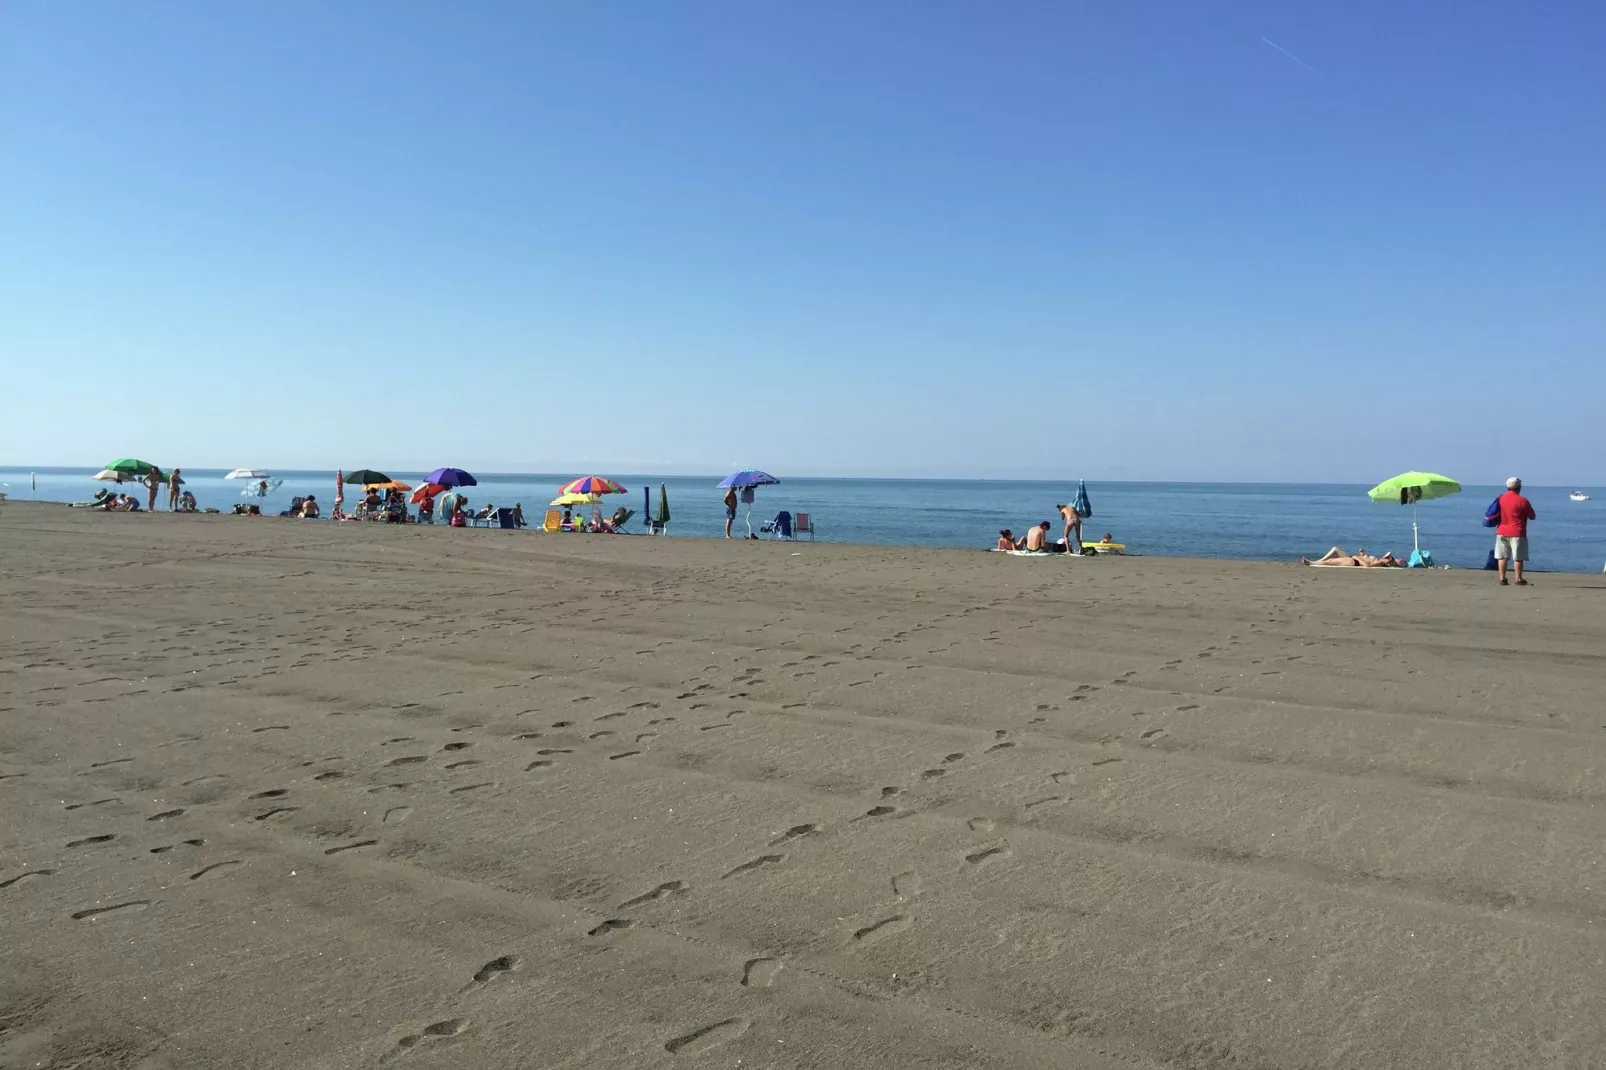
{"x":1420,"y":559}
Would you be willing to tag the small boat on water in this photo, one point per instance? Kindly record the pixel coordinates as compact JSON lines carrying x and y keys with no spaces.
{"x":1578,"y":496}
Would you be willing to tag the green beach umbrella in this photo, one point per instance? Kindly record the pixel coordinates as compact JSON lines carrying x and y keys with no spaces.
{"x":660,"y":519}
{"x":1409,"y":488}
{"x":131,"y":466}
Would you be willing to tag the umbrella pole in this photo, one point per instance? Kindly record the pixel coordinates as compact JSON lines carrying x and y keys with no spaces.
{"x":1416,"y":541}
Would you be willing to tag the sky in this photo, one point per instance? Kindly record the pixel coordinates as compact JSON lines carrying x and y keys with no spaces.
{"x":1058,"y":239}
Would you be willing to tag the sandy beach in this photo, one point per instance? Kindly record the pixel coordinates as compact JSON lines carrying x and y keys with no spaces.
{"x":285,"y":794}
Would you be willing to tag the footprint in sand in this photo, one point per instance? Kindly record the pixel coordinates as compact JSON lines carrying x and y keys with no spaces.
{"x":351,"y":846}
{"x":271,"y":793}
{"x":410,"y":759}
{"x":214,"y":868}
{"x":980,"y":824}
{"x":760,"y":973}
{"x":130,"y":907}
{"x":707,"y":1038}
{"x":882,"y":929}
{"x":757,"y":863}
{"x":1005,"y":745}
{"x":880,"y":811}
{"x":933,"y":774}
{"x":956,"y":756}
{"x":982,"y":857}
{"x":663,"y":891}
{"x":906,"y":885}
{"x":395,"y":814}
{"x":91,"y":840}
{"x":494,"y":969}
{"x":612,"y":925}
{"x":24,"y":877}
{"x":434,"y":1031}
{"x":795,"y":832}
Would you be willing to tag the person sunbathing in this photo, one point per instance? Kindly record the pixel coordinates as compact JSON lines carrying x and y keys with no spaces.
{"x":1360,"y":558}
{"x":1006,"y":540}
{"x":309,"y":508}
{"x":1037,"y":538}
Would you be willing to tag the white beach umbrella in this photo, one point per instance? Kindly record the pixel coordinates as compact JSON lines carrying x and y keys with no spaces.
{"x":247,"y":473}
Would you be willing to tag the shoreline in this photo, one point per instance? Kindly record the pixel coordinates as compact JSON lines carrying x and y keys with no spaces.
{"x":48,"y":507}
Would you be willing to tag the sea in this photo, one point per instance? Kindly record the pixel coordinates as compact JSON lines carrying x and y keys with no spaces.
{"x":1253,"y":521}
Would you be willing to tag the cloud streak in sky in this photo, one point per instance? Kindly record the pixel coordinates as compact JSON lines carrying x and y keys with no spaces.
{"x":1293,"y":57}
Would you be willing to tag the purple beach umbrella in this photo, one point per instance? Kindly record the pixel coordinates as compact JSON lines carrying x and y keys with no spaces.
{"x":451,"y":477}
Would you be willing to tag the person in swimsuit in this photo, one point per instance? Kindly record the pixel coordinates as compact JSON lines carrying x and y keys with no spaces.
{"x":1037,"y":538}
{"x":153,"y":480}
{"x":1073,"y":528}
{"x":730,"y":509}
{"x":173,"y":491}
{"x":1006,"y":540}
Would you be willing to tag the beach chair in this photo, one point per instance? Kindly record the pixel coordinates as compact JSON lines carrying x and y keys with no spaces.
{"x":504,"y":519}
{"x":804,"y":525}
{"x":553,"y":521}
{"x":780,"y":527}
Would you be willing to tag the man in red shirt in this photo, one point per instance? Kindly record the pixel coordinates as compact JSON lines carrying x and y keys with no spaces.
{"x":1511,"y":537}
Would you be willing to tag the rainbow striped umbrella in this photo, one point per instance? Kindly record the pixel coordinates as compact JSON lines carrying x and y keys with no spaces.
{"x":591,"y":485}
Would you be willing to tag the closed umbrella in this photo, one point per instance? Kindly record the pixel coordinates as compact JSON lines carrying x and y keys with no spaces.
{"x":1409,"y":488}
{"x":660,"y":516}
{"x":1083,"y":507}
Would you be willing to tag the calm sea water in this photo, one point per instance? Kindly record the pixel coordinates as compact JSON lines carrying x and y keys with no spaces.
{"x":1278,"y":522}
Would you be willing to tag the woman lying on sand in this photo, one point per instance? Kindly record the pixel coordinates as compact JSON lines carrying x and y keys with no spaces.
{"x":1337,"y":556}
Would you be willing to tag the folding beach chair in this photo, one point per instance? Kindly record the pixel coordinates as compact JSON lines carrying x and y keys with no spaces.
{"x":553,"y":521}
{"x":804,"y":526}
{"x":780,"y":527}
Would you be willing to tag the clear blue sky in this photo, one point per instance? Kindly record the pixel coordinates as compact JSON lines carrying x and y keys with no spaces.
{"x":1048,"y":239}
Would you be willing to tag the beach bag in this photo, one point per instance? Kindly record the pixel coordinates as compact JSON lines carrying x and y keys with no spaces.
{"x":1491,"y":515}
{"x":1420,"y":559}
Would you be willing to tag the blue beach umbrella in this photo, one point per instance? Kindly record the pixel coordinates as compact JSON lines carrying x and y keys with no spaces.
{"x":745,"y":481}
{"x":748,"y":477}
{"x":1083,"y":507}
{"x":451,"y":477}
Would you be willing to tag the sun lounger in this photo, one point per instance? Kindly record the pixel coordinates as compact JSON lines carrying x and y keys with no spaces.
{"x":553,"y":521}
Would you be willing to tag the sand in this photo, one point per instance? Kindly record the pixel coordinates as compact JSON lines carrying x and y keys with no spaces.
{"x":284,"y":794}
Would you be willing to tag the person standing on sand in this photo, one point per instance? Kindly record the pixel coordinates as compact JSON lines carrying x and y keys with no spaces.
{"x":730,"y":509}
{"x":1073,"y":528}
{"x":153,"y":479}
{"x":172,"y":492}
{"x":1511,"y":537}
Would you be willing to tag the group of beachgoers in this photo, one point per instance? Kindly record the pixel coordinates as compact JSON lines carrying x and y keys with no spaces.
{"x":112,"y":502}
{"x":1037,"y":538}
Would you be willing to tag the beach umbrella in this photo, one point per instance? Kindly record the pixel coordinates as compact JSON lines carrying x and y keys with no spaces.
{"x":451,"y":477}
{"x":247,"y":473}
{"x":745,"y":481}
{"x":748,"y":477}
{"x":660,"y":517}
{"x":106,"y":475}
{"x":428,"y":490}
{"x":387,"y":484}
{"x":576,"y":499}
{"x":366,"y":476}
{"x":1409,"y":488}
{"x":1083,"y":507}
{"x":130,"y":466}
{"x":591,"y":485}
